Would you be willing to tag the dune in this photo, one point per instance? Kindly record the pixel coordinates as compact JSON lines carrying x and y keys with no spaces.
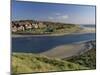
{"x":88,"y":30}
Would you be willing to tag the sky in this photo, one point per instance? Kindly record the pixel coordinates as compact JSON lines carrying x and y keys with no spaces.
{"x":65,"y":13}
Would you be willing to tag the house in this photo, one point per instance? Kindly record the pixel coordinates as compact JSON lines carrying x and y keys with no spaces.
{"x":21,"y":28}
{"x":35,"y":26}
{"x":41,"y":25}
{"x":14,"y":29}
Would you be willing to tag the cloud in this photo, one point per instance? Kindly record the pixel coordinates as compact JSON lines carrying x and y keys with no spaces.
{"x":57,"y":14}
{"x":51,"y":18}
{"x":64,"y":17}
{"x":58,"y":17}
{"x":61,"y":16}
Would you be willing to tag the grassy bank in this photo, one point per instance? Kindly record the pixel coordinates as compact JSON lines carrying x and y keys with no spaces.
{"x":27,"y":63}
{"x":88,"y":59}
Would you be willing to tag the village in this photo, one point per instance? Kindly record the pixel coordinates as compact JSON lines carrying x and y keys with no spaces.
{"x":25,"y":25}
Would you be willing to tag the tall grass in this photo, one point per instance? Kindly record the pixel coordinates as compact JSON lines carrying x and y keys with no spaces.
{"x":27,"y":63}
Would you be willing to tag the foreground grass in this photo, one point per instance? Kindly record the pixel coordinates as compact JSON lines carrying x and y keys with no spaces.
{"x":27,"y":63}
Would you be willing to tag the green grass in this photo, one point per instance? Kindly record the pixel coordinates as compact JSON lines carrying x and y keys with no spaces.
{"x":88,"y":59}
{"x":27,"y":63}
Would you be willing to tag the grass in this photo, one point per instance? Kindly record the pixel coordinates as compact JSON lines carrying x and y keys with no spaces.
{"x":27,"y":63}
{"x":88,"y":59}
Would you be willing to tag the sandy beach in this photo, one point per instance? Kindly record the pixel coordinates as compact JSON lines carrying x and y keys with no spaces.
{"x":64,"y":51}
{"x":88,"y":30}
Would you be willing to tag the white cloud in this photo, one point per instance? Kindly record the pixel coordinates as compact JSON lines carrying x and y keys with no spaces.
{"x":58,"y":17}
{"x":51,"y":18}
{"x":64,"y":17}
{"x":57,"y":14}
{"x":61,"y":16}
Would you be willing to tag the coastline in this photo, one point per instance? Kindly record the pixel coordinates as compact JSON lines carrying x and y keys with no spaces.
{"x":83,"y":31}
{"x":69,"y":50}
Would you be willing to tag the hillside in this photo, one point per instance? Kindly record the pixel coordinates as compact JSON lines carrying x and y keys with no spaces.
{"x":28,"y":27}
{"x":88,"y":59}
{"x":27,"y":63}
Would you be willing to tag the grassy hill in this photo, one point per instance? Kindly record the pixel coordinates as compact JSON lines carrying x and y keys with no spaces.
{"x":88,"y":59}
{"x":27,"y":63}
{"x":43,"y":27}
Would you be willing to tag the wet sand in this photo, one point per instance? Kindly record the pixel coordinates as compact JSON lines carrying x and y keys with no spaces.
{"x":64,"y":51}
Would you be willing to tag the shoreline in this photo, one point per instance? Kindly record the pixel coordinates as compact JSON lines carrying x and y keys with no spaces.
{"x":83,"y":31}
{"x":67,"y":50}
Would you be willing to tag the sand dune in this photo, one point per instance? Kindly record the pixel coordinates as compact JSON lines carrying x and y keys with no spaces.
{"x":88,"y":30}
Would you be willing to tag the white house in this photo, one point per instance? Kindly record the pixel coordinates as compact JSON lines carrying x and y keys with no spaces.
{"x":14,"y":29}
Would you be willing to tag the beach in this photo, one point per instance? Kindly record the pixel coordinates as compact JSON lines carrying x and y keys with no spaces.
{"x":69,"y":50}
{"x":88,"y":30}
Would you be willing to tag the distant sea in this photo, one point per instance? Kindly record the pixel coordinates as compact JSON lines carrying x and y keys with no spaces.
{"x":89,"y":26}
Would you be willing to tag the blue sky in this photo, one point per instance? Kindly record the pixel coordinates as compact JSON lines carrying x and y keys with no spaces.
{"x":66,"y":13}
